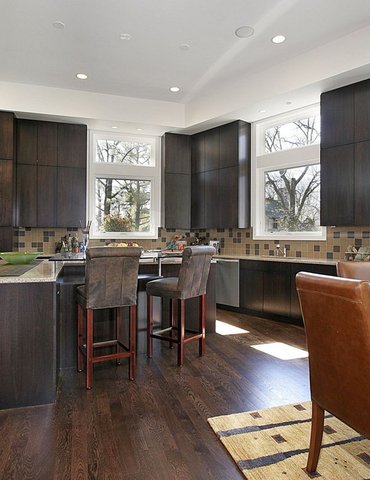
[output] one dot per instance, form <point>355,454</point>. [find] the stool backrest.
<point>359,270</point>
<point>194,270</point>
<point>336,315</point>
<point>111,276</point>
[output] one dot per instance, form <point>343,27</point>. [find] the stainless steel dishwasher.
<point>227,282</point>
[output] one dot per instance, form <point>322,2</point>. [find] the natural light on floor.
<point>226,329</point>
<point>281,350</point>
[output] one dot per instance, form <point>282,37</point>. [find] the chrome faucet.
<point>280,251</point>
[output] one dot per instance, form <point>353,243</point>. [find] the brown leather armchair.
<point>336,315</point>
<point>359,270</point>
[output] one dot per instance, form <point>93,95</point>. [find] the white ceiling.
<point>221,77</point>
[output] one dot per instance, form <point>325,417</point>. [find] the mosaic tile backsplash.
<point>232,241</point>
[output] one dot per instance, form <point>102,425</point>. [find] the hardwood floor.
<point>155,427</point>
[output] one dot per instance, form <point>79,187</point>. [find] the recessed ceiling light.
<point>139,129</point>
<point>59,25</point>
<point>244,32</point>
<point>125,36</point>
<point>81,76</point>
<point>278,39</point>
<point>184,46</point>
<point>114,126</point>
<point>262,111</point>
<point>175,89</point>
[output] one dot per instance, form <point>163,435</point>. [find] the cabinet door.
<point>47,146</point>
<point>276,289</point>
<point>6,192</point>
<point>177,200</point>
<point>197,201</point>
<point>26,215</point>
<point>362,111</point>
<point>228,197</point>
<point>229,142</point>
<point>251,285</point>
<point>197,153</point>
<point>362,190</point>
<point>211,149</point>
<point>71,197</point>
<point>176,153</point>
<point>72,141</point>
<point>211,199</point>
<point>6,135</point>
<point>46,196</point>
<point>337,117</point>
<point>337,185</point>
<point>27,142</point>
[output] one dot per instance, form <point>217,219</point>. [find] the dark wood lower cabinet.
<point>27,344</point>
<point>267,288</point>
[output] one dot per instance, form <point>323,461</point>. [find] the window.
<point>124,186</point>
<point>286,183</point>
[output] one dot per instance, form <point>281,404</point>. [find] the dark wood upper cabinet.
<point>176,153</point>
<point>362,190</point>
<point>337,185</point>
<point>197,200</point>
<point>47,145</point>
<point>362,111</point>
<point>337,117</point>
<point>212,149</point>
<point>46,196</point>
<point>72,145</point>
<point>6,135</point>
<point>26,206</point>
<point>71,197</point>
<point>178,201</point>
<point>228,193</point>
<point>197,152</point>
<point>36,142</point>
<point>229,144</point>
<point>211,199</point>
<point>6,192</point>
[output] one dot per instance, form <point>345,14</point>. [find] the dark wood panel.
<point>176,151</point>
<point>177,200</point>
<point>6,135</point>
<point>337,117</point>
<point>362,111</point>
<point>26,211</point>
<point>6,239</point>
<point>197,153</point>
<point>6,193</point>
<point>251,286</point>
<point>197,200</point>
<point>72,141</point>
<point>71,197</point>
<point>228,197</point>
<point>27,142</point>
<point>229,143</point>
<point>46,196</point>
<point>276,289</point>
<point>211,149</point>
<point>47,147</point>
<point>27,344</point>
<point>211,199</point>
<point>362,190</point>
<point>337,186</point>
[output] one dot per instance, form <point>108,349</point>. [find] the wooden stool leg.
<point>89,347</point>
<point>118,312</point>
<point>80,320</point>
<point>172,319</point>
<point>132,341</point>
<point>149,330</point>
<point>317,428</point>
<point>202,324</point>
<point>181,335</point>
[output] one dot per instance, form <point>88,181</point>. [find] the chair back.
<point>336,315</point>
<point>111,276</point>
<point>194,270</point>
<point>359,270</point>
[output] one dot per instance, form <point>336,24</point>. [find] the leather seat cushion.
<point>164,287</point>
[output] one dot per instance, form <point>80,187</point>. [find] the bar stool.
<point>110,282</point>
<point>190,283</point>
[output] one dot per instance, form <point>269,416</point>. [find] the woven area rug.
<point>273,444</point>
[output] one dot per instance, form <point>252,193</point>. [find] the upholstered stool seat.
<point>190,283</point>
<point>111,280</point>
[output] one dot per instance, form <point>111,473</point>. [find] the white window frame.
<point>290,158</point>
<point>117,170</point>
